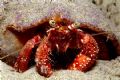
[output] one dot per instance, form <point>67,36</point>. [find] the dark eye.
<point>76,24</point>
<point>52,23</point>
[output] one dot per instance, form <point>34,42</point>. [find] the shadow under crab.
<point>107,44</point>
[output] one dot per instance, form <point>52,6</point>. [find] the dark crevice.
<point>114,4</point>
<point>10,60</point>
<point>93,1</point>
<point>63,59</point>
<point>112,50</point>
<point>32,56</point>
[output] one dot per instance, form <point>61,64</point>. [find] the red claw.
<point>87,57</point>
<point>23,59</point>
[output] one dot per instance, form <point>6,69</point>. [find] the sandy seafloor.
<point>104,70</point>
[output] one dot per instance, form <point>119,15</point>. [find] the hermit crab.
<point>60,37</point>
<point>61,43</point>
<point>61,40</point>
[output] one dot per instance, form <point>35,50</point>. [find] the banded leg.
<point>23,59</point>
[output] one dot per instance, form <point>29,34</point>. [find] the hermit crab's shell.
<point>29,14</point>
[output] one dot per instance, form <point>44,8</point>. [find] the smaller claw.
<point>23,59</point>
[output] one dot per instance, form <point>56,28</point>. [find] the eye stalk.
<point>76,24</point>
<point>52,23</point>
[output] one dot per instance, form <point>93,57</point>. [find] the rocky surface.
<point>111,9</point>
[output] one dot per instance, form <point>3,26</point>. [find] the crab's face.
<point>61,34</point>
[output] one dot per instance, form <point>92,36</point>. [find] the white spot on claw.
<point>36,60</point>
<point>44,69</point>
<point>80,65</point>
